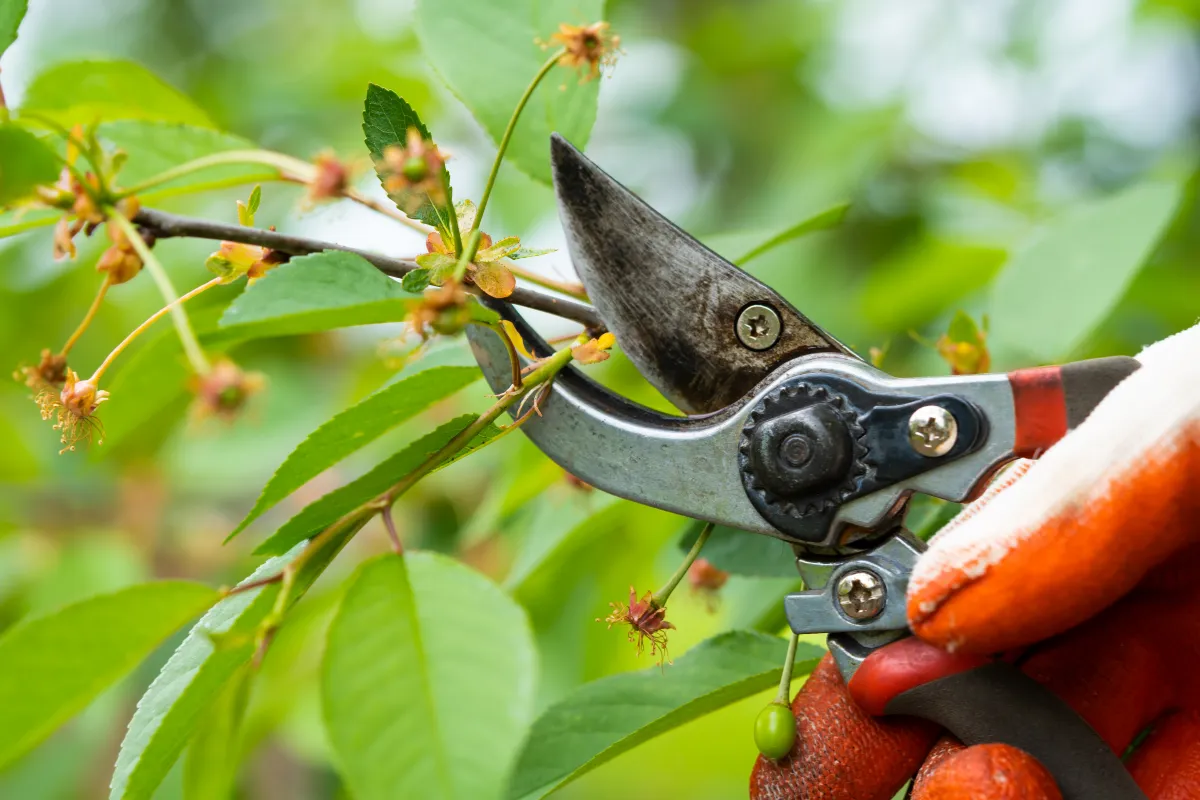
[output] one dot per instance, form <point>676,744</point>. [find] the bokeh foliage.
<point>981,176</point>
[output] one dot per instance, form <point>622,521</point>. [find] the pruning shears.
<point>790,434</point>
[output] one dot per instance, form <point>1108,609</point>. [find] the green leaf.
<point>25,162</point>
<point>561,527</point>
<point>318,292</point>
<point>255,199</point>
<point>821,221</point>
<point>742,553</point>
<point>386,120</point>
<point>355,427</point>
<point>530,252</point>
<point>86,92</point>
<point>924,280</point>
<point>54,665</point>
<point>11,14</point>
<point>428,681</point>
<point>487,54</point>
<point>438,266</point>
<point>605,718</point>
<point>190,681</point>
<point>211,765</point>
<point>505,247</point>
<point>416,281</point>
<point>1062,284</point>
<point>332,506</point>
<point>963,329</point>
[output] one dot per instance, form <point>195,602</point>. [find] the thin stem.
<point>389,211</point>
<point>455,233</point>
<point>251,585</point>
<point>513,358</point>
<point>165,226</point>
<point>508,132</point>
<point>548,369</point>
<point>187,337</point>
<point>290,169</point>
<point>288,165</point>
<point>157,315</point>
<point>220,183</point>
<point>566,287</point>
<point>390,524</point>
<point>785,680</point>
<point>661,596</point>
<point>89,316</point>
<point>467,255</point>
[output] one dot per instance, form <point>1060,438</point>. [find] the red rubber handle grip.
<point>983,701</point>
<point>1049,401</point>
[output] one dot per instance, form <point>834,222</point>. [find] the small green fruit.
<point>416,168</point>
<point>775,731</point>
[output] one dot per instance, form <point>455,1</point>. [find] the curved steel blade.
<point>672,303</point>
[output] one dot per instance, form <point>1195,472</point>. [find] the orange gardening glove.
<point>1083,569</point>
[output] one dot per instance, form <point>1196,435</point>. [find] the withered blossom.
<point>412,175</point>
<point>647,623</point>
<point>330,180</point>
<point>588,48</point>
<point>442,310</point>
<point>121,260</point>
<point>593,351</point>
<point>74,409</point>
<point>706,580</point>
<point>224,391</point>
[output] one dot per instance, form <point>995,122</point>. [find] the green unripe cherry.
<point>416,168</point>
<point>775,731</point>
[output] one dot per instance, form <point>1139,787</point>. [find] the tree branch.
<point>164,226</point>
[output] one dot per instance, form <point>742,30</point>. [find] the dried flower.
<point>74,410</point>
<point>121,261</point>
<point>412,175</point>
<point>329,181</point>
<point>593,351</point>
<point>45,381</point>
<point>646,620</point>
<point>50,371</point>
<point>964,346</point>
<point>225,390</point>
<point>588,48</point>
<point>444,310</point>
<point>706,580</point>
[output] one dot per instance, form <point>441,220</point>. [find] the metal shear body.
<point>791,435</point>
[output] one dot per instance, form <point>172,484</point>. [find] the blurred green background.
<point>954,129</point>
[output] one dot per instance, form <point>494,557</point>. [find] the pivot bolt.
<point>758,326</point>
<point>796,450</point>
<point>861,595</point>
<point>932,431</point>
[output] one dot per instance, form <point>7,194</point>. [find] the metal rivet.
<point>932,431</point>
<point>758,326</point>
<point>861,595</point>
<point>796,450</point>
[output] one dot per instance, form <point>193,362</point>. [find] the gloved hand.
<point>1084,569</point>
